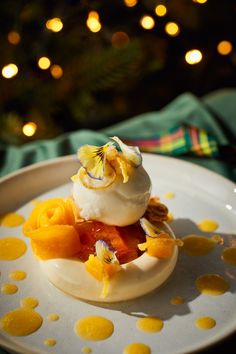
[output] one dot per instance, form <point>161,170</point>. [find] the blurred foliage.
<point>105,82</point>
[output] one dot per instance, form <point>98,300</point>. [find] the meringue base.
<point>135,278</point>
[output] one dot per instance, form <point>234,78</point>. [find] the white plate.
<point>199,194</point>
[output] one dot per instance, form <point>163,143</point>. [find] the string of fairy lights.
<point>118,40</point>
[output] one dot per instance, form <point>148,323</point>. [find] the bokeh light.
<point>224,47</point>
<point>93,22</point>
<point>54,24</point>
<point>29,129</point>
<point>161,10</point>
<point>193,56</point>
<point>9,71</point>
<point>172,29</point>
<point>130,3</point>
<point>147,22</point>
<point>56,71</point>
<point>119,40</point>
<point>44,63</point>
<point>13,37</point>
<point>200,1</point>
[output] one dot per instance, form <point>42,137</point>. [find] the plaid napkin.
<point>179,140</point>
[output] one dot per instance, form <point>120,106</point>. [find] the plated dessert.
<point>108,241</point>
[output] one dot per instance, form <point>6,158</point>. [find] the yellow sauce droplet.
<point>205,322</point>
<point>195,245</point>
<point>170,217</point>
<point>53,317</point>
<point>212,284</point>
<point>29,302</point>
<point>21,322</point>
<point>94,328</point>
<point>50,342</point>
<point>11,220</point>
<point>169,195</point>
<point>217,239</point>
<point>9,289</point>
<point>150,324</point>
<point>177,300</point>
<point>11,248</point>
<point>137,348</point>
<point>208,225</point>
<point>229,255</point>
<point>86,350</point>
<point>17,275</point>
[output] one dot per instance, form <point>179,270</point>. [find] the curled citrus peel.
<point>158,243</point>
<point>102,164</point>
<point>103,265</point>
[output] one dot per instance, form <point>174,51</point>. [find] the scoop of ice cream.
<point>111,186</point>
<point>119,204</point>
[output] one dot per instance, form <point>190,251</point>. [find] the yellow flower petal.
<point>93,158</point>
<point>132,153</point>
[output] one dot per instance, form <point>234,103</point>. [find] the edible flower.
<point>103,265</point>
<point>158,243</point>
<point>103,163</point>
<point>149,229</point>
<point>131,153</point>
<point>104,253</point>
<point>93,159</point>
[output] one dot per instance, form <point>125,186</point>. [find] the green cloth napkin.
<point>215,113</point>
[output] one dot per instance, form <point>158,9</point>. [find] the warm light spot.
<point>56,71</point>
<point>224,47</point>
<point>200,1</point>
<point>130,3</point>
<point>13,37</point>
<point>93,24</point>
<point>93,14</point>
<point>119,39</point>
<point>44,63</point>
<point>193,56</point>
<point>161,10</point>
<point>147,22</point>
<point>172,29</point>
<point>54,24</point>
<point>29,129</point>
<point>9,71</point>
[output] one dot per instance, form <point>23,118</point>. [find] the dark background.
<point>107,79</point>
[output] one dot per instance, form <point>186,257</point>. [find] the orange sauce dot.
<point>11,220</point>
<point>53,317</point>
<point>17,275</point>
<point>50,342</point>
<point>196,245</point>
<point>137,348</point>
<point>11,248</point>
<point>229,255</point>
<point>86,350</point>
<point>169,195</point>
<point>177,300</point>
<point>208,225</point>
<point>212,284</point>
<point>150,324</point>
<point>9,289</point>
<point>205,322</point>
<point>94,328</point>
<point>29,302</point>
<point>21,322</point>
